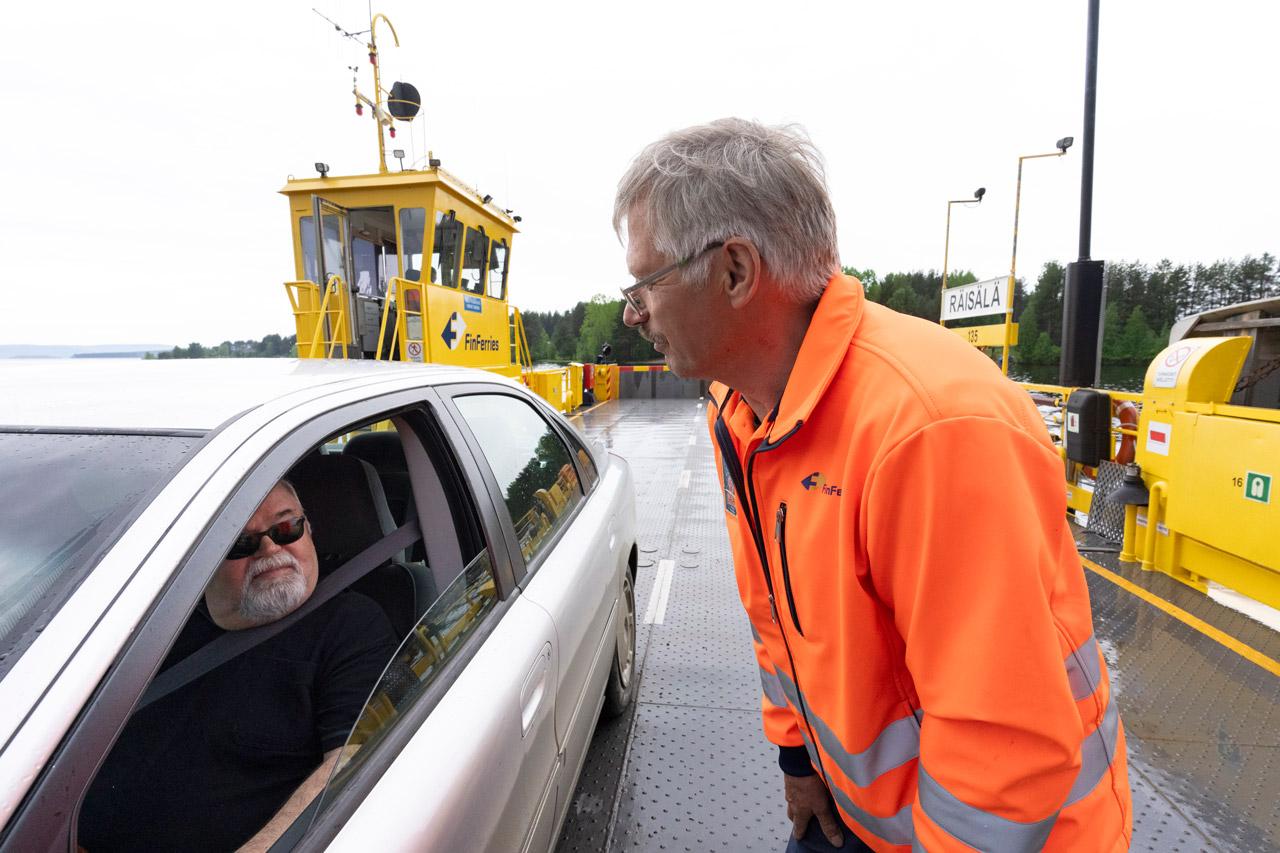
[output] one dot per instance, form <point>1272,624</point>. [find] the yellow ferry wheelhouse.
<point>414,267</point>
<point>409,265</point>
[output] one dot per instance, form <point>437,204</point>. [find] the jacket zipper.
<point>780,536</point>
<point>729,456</point>
<point>764,561</point>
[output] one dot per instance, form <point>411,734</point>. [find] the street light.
<point>1062,145</point>
<point>946,249</point>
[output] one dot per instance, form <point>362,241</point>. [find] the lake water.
<point>1115,377</point>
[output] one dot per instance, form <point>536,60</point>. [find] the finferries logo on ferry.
<point>819,482</point>
<point>454,330</point>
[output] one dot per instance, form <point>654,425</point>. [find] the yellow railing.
<point>406,344</point>
<point>1080,498</point>
<point>311,310</point>
<point>520,346</point>
<point>1061,393</point>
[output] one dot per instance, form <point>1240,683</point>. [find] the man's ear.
<point>743,271</point>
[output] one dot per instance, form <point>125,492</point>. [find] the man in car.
<point>895,507</point>
<point>230,759</point>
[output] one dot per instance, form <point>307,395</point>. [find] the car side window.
<point>530,462</point>
<point>587,465</point>
<point>457,613</point>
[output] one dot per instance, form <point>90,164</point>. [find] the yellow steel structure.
<point>1210,466</point>
<point>1212,470</point>
<point>419,244</point>
<point>993,335</point>
<point>415,266</point>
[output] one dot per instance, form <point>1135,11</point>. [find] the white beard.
<point>268,601</point>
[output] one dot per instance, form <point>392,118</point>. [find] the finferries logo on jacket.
<point>819,482</point>
<point>896,638</point>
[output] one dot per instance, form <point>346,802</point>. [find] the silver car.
<point>124,484</point>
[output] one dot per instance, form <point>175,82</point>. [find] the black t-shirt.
<point>207,766</point>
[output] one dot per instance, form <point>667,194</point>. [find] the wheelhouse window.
<point>333,256</point>
<point>413,224</point>
<point>498,252</point>
<point>473,260</point>
<point>446,250</point>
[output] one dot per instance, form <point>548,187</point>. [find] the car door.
<point>465,757</point>
<point>566,561</point>
<point>503,707</point>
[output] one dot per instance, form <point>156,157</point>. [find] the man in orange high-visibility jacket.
<point>896,512</point>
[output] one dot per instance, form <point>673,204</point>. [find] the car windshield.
<point>63,498</point>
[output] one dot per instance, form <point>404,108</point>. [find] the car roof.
<point>183,394</point>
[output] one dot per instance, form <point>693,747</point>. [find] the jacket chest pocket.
<point>780,537</point>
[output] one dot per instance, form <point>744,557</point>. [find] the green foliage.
<point>272,346</point>
<point>578,334</point>
<point>1142,303</point>
<point>598,326</point>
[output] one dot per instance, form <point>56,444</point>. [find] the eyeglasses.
<point>282,533</point>
<point>631,293</point>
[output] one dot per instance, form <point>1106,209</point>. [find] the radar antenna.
<point>403,101</point>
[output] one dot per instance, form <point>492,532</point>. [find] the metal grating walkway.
<point>688,769</point>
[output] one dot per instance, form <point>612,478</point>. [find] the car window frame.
<point>448,394</point>
<point>48,815</point>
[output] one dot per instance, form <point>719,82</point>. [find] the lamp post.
<point>1062,144</point>
<point>946,248</point>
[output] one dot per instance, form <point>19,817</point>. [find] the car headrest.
<point>343,499</point>
<point>382,450</point>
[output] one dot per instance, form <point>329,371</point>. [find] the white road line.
<point>684,478</point>
<point>693,439</point>
<point>661,592</point>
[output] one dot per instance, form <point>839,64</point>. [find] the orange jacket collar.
<point>821,353</point>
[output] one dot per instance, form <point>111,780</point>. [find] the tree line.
<point>271,346</point>
<point>1142,302</point>
<point>579,333</point>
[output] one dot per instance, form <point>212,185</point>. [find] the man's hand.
<point>807,798</point>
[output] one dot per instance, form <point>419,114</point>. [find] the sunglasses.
<point>282,533</point>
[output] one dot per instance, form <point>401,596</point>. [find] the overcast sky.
<point>144,143</point>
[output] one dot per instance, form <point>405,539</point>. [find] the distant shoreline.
<point>81,351</point>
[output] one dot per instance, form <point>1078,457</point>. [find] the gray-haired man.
<point>929,676</point>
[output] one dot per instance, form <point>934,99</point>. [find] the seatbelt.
<point>233,643</point>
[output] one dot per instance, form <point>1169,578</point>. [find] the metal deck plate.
<point>689,769</point>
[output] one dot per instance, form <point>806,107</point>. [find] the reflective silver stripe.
<point>897,743</point>
<point>1083,669</point>
<point>986,831</point>
<point>772,688</point>
<point>1096,753</point>
<point>755,635</point>
<point>789,688</point>
<point>975,827</point>
<point>895,829</point>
